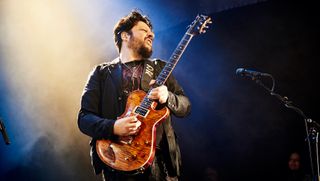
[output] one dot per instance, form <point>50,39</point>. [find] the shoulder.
<point>106,66</point>
<point>103,68</point>
<point>111,64</point>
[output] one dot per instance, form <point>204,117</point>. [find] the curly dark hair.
<point>126,23</point>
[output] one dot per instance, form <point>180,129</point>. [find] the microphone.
<point>4,133</point>
<point>250,73</point>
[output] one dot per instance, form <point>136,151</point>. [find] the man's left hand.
<point>159,93</point>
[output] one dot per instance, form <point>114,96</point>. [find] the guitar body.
<point>133,153</point>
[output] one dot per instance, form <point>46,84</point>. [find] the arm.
<point>177,101</point>
<point>89,121</point>
<point>171,94</point>
<point>173,97</point>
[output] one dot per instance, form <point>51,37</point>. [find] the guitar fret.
<point>187,36</point>
<point>174,60</point>
<point>181,47</point>
<point>161,76</point>
<point>164,75</point>
<point>175,56</point>
<point>167,69</point>
<point>159,82</point>
<point>177,52</point>
<point>165,72</point>
<point>145,105</point>
<point>184,42</point>
<point>149,101</point>
<point>146,101</point>
<point>169,64</point>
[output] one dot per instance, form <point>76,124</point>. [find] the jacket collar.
<point>147,75</point>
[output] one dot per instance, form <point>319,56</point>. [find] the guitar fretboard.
<point>165,73</point>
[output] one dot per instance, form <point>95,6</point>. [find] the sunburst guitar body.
<point>136,152</point>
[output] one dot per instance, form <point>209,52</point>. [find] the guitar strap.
<point>148,74</point>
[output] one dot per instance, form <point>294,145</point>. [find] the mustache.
<point>149,38</point>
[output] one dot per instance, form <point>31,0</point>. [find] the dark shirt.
<point>131,76</point>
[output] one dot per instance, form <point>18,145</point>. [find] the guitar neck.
<point>166,71</point>
<point>175,57</point>
<point>198,26</point>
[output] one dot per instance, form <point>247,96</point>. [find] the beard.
<point>140,48</point>
<point>144,51</point>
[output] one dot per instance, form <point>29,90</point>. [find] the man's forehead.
<point>141,24</point>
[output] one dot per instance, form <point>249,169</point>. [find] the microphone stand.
<point>4,133</point>
<point>314,126</point>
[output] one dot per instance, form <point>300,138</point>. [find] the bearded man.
<point>105,95</point>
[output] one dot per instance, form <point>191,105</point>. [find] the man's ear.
<point>125,36</point>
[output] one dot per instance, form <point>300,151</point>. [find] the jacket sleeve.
<point>177,102</point>
<point>89,120</point>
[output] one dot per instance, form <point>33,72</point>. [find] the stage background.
<point>236,130</point>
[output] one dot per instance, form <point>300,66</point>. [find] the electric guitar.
<point>135,153</point>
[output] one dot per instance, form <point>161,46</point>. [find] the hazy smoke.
<point>47,53</point>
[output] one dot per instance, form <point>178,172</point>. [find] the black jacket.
<point>103,101</point>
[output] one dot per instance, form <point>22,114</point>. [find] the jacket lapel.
<point>116,75</point>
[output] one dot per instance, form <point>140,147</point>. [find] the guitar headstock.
<point>199,25</point>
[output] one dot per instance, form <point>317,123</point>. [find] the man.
<point>105,95</point>
<point>295,170</point>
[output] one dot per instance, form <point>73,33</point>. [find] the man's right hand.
<point>126,126</point>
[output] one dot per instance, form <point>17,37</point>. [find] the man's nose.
<point>151,35</point>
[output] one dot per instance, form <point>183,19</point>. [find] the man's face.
<point>141,39</point>
<point>294,162</point>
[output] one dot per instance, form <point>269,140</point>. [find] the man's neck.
<point>129,56</point>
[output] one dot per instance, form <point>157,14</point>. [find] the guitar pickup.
<point>141,111</point>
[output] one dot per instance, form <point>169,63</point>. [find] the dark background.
<point>236,129</point>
